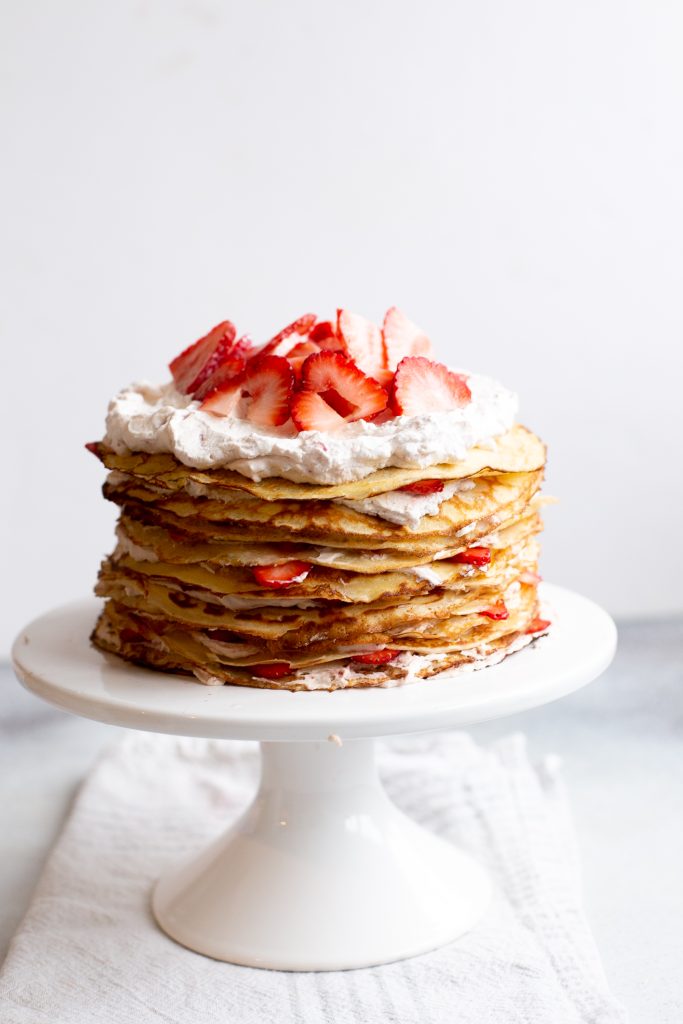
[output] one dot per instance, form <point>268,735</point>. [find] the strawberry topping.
<point>474,556</point>
<point>529,577</point>
<point>422,386</point>
<point>232,358</point>
<point>324,334</point>
<point>289,336</point>
<point>402,338</point>
<point>496,611</point>
<point>300,353</point>
<point>362,341</point>
<point>191,368</point>
<point>311,412</point>
<point>537,625</point>
<point>281,575</point>
<point>335,391</point>
<point>267,384</point>
<point>423,487</point>
<point>376,657</point>
<point>343,371</point>
<point>275,670</point>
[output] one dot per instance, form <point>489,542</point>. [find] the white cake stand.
<point>322,872</point>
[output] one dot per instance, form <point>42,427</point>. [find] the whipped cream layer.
<point>151,419</point>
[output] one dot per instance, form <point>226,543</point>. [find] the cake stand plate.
<point>322,872</point>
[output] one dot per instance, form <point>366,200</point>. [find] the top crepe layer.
<point>517,451</point>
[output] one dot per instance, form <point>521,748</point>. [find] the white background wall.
<point>509,173</point>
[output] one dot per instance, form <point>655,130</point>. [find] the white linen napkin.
<point>88,949</point>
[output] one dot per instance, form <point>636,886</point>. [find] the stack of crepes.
<point>394,577</point>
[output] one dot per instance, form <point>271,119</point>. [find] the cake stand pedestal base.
<point>322,872</point>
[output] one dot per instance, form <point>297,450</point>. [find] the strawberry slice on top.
<point>191,368</point>
<point>422,386</point>
<point>221,368</point>
<point>335,391</point>
<point>300,353</point>
<point>362,341</point>
<point>265,387</point>
<point>402,338</point>
<point>289,336</point>
<point>325,336</point>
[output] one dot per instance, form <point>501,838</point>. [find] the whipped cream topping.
<point>153,419</point>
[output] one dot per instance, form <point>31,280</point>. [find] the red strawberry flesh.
<point>423,386</point>
<point>376,657</point>
<point>311,412</point>
<point>335,391</point>
<point>325,336</point>
<point>538,625</point>
<point>189,369</point>
<point>227,362</point>
<point>289,336</point>
<point>362,341</point>
<point>283,574</point>
<point>274,670</point>
<point>497,610</point>
<point>300,353</point>
<point>423,487</point>
<point>402,338</point>
<point>267,382</point>
<point>474,556</point>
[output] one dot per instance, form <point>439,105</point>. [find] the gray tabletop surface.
<point>621,742</point>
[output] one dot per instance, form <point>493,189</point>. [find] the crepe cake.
<point>334,508</point>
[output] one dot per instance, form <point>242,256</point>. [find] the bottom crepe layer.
<point>156,643</point>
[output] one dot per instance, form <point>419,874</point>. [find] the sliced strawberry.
<point>376,657</point>
<point>421,385</point>
<point>284,574</point>
<point>529,577</point>
<point>537,625</point>
<point>289,336</point>
<point>423,487</point>
<point>402,338</point>
<point>267,381</point>
<point>324,334</point>
<point>227,363</point>
<point>274,670</point>
<point>333,392</point>
<point>225,397</point>
<point>188,369</point>
<point>311,412</point>
<point>93,446</point>
<point>474,556</point>
<point>362,341</point>
<point>300,353</point>
<point>496,611</point>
